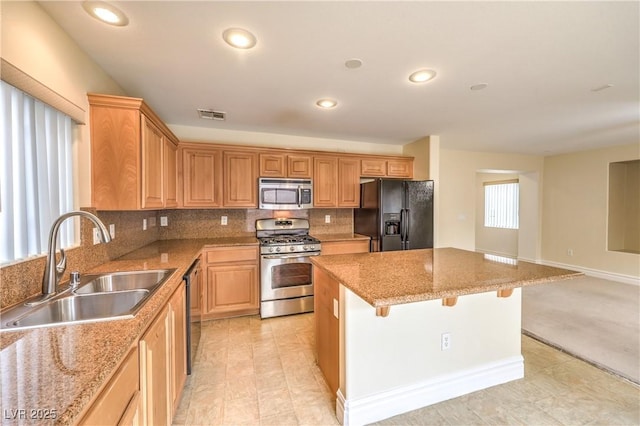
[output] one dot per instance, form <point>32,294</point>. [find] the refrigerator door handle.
<point>406,229</point>
<point>403,220</point>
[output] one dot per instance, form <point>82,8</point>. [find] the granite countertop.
<point>63,368</point>
<point>325,238</point>
<point>396,277</point>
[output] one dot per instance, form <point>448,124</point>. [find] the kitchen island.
<point>396,331</point>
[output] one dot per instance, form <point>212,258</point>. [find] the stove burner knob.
<point>292,248</point>
<point>277,248</point>
<point>271,249</point>
<point>305,247</point>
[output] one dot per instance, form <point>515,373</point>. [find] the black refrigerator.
<point>396,214</point>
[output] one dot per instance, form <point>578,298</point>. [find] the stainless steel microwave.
<point>285,194</point>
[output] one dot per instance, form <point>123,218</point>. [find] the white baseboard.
<point>622,278</point>
<point>396,401</point>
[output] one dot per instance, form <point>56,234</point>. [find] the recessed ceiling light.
<point>353,63</point>
<point>326,103</point>
<point>479,86</point>
<point>106,13</point>
<point>421,76</point>
<point>239,38</point>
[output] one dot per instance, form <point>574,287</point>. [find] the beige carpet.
<point>593,319</point>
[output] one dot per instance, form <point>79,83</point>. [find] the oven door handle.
<point>288,256</point>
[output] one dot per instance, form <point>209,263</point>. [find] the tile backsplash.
<point>21,280</point>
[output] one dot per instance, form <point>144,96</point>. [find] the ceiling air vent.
<point>212,115</point>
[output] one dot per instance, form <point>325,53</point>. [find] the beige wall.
<point>575,210</point>
<point>35,44</point>
<point>457,207</point>
<point>503,242</point>
<point>205,134</point>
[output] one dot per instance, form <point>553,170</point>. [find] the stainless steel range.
<point>286,274</point>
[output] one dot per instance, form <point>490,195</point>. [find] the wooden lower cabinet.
<point>163,362</point>
<point>119,402</point>
<point>346,246</point>
<point>155,372</point>
<point>178,345</point>
<point>231,286</point>
<point>326,307</point>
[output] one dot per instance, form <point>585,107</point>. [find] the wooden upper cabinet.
<point>387,167</point>
<point>171,174</point>
<point>374,167</point>
<point>273,165</point>
<point>325,176</point>
<point>285,165</point>
<point>129,144</point>
<point>348,182</point>
<point>400,168</point>
<point>152,165</point>
<point>299,166</point>
<point>240,179</point>
<point>202,177</point>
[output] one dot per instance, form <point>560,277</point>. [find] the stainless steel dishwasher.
<point>191,278</point>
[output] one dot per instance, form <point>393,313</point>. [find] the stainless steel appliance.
<point>285,194</point>
<point>193,331</point>
<point>286,274</point>
<point>396,214</point>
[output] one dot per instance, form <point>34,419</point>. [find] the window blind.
<point>501,200</point>
<point>36,181</point>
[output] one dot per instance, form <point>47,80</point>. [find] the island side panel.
<point>395,364</point>
<point>326,315</point>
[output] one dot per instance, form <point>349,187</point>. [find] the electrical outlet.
<point>327,218</point>
<point>223,220</point>
<point>164,221</point>
<point>144,224</point>
<point>569,252</point>
<point>112,230</point>
<point>96,236</point>
<point>445,341</point>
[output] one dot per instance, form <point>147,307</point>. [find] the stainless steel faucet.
<point>53,272</point>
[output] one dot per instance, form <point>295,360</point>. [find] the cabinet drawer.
<point>226,254</point>
<point>114,401</point>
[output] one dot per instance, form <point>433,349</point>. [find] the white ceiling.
<point>540,60</point>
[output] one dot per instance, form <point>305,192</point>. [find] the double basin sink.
<point>98,297</point>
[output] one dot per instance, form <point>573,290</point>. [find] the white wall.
<point>575,211</point>
<point>457,207</point>
<point>37,45</point>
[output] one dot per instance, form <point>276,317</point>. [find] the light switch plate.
<point>164,221</point>
<point>144,224</point>
<point>327,218</point>
<point>112,230</point>
<point>223,220</point>
<point>336,309</point>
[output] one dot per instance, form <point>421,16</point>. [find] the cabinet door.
<point>115,158</point>
<point>299,166</point>
<point>155,372</point>
<point>343,247</point>
<point>240,179</point>
<point>202,175</point>
<point>325,175</point>
<point>348,183</point>
<point>152,165</point>
<point>119,398</point>
<point>232,289</point>
<point>170,174</point>
<point>400,168</point>
<point>178,346</point>
<point>273,165</point>
<point>374,167</point>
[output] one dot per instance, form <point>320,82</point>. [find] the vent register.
<point>210,114</point>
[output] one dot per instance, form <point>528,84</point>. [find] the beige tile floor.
<point>262,372</point>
